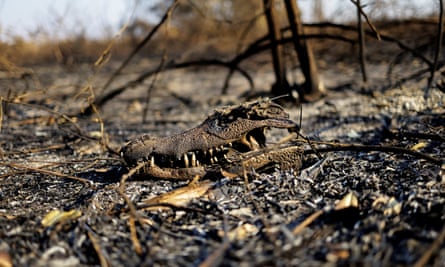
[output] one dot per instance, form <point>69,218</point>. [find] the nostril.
<point>295,129</point>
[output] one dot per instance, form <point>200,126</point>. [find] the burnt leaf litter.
<point>61,204</point>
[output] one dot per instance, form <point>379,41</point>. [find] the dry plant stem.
<point>306,222</point>
<point>102,259</point>
<point>59,114</point>
<point>439,39</point>
<point>106,54</point>
<point>174,207</point>
<point>36,150</point>
<point>103,135</point>
<point>48,172</point>
<point>51,164</point>
<point>432,249</point>
<point>121,189</point>
<point>134,236</point>
<point>133,211</point>
<point>216,258</point>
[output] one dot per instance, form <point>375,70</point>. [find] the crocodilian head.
<point>234,129</point>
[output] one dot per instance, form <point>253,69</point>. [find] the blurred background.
<point>33,32</point>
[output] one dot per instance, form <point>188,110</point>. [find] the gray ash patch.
<point>401,203</point>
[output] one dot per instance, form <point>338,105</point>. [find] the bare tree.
<point>313,87</point>
<point>281,85</point>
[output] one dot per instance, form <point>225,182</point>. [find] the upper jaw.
<point>253,140</point>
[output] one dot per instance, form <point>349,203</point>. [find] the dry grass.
<point>215,39</point>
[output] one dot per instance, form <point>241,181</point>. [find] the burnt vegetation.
<point>368,90</point>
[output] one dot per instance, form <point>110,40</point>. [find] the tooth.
<point>244,141</point>
<point>193,160</point>
<point>230,144</point>
<point>197,163</point>
<point>211,152</point>
<point>152,161</point>
<point>254,143</point>
<point>222,147</point>
<point>215,159</point>
<point>217,149</point>
<point>186,160</point>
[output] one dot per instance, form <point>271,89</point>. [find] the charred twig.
<point>164,205</point>
<point>142,43</point>
<point>348,201</point>
<point>361,12</point>
<point>216,258</point>
<point>383,37</point>
<point>256,47</point>
<point>417,75</point>
<point>170,66</point>
<point>416,135</point>
<point>423,261</point>
<point>147,38</point>
<point>48,172</point>
<point>104,262</point>
<point>367,148</point>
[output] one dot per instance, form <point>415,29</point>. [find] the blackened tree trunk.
<point>313,87</point>
<point>281,86</point>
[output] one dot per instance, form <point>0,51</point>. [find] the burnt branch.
<point>141,44</point>
<point>367,148</point>
<point>256,47</point>
<point>171,66</point>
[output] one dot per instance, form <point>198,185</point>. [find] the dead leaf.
<point>348,201</point>
<point>5,259</point>
<point>180,197</point>
<point>59,216</point>
<point>419,146</point>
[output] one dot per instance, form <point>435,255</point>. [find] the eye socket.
<point>273,110</point>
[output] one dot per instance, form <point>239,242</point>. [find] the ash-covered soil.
<point>45,147</point>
